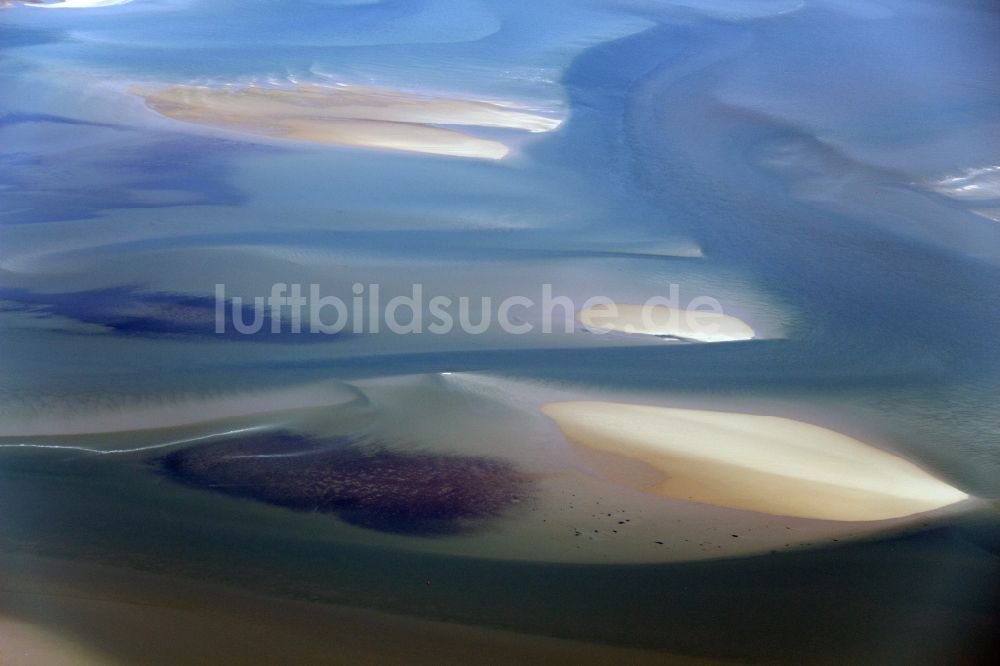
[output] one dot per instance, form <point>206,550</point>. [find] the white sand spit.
<point>658,320</point>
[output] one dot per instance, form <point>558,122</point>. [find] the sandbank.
<point>348,115</point>
<point>765,464</point>
<point>668,322</point>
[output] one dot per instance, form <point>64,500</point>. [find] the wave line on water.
<point>103,452</point>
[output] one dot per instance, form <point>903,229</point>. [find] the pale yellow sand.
<point>393,136</point>
<point>694,325</point>
<point>348,115</point>
<point>758,463</point>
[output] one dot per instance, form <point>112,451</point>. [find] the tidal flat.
<point>809,476</point>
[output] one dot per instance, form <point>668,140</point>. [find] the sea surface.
<point>827,171</point>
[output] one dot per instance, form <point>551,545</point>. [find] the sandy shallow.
<point>610,491</point>
<point>104,414</point>
<point>972,184</point>
<point>667,322</point>
<point>24,644</point>
<point>988,213</point>
<point>349,115</point>
<point>758,463</point>
<point>128,617</point>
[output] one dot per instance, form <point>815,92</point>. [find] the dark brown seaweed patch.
<point>366,484</point>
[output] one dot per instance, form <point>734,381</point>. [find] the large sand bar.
<point>757,463</point>
<point>348,115</point>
